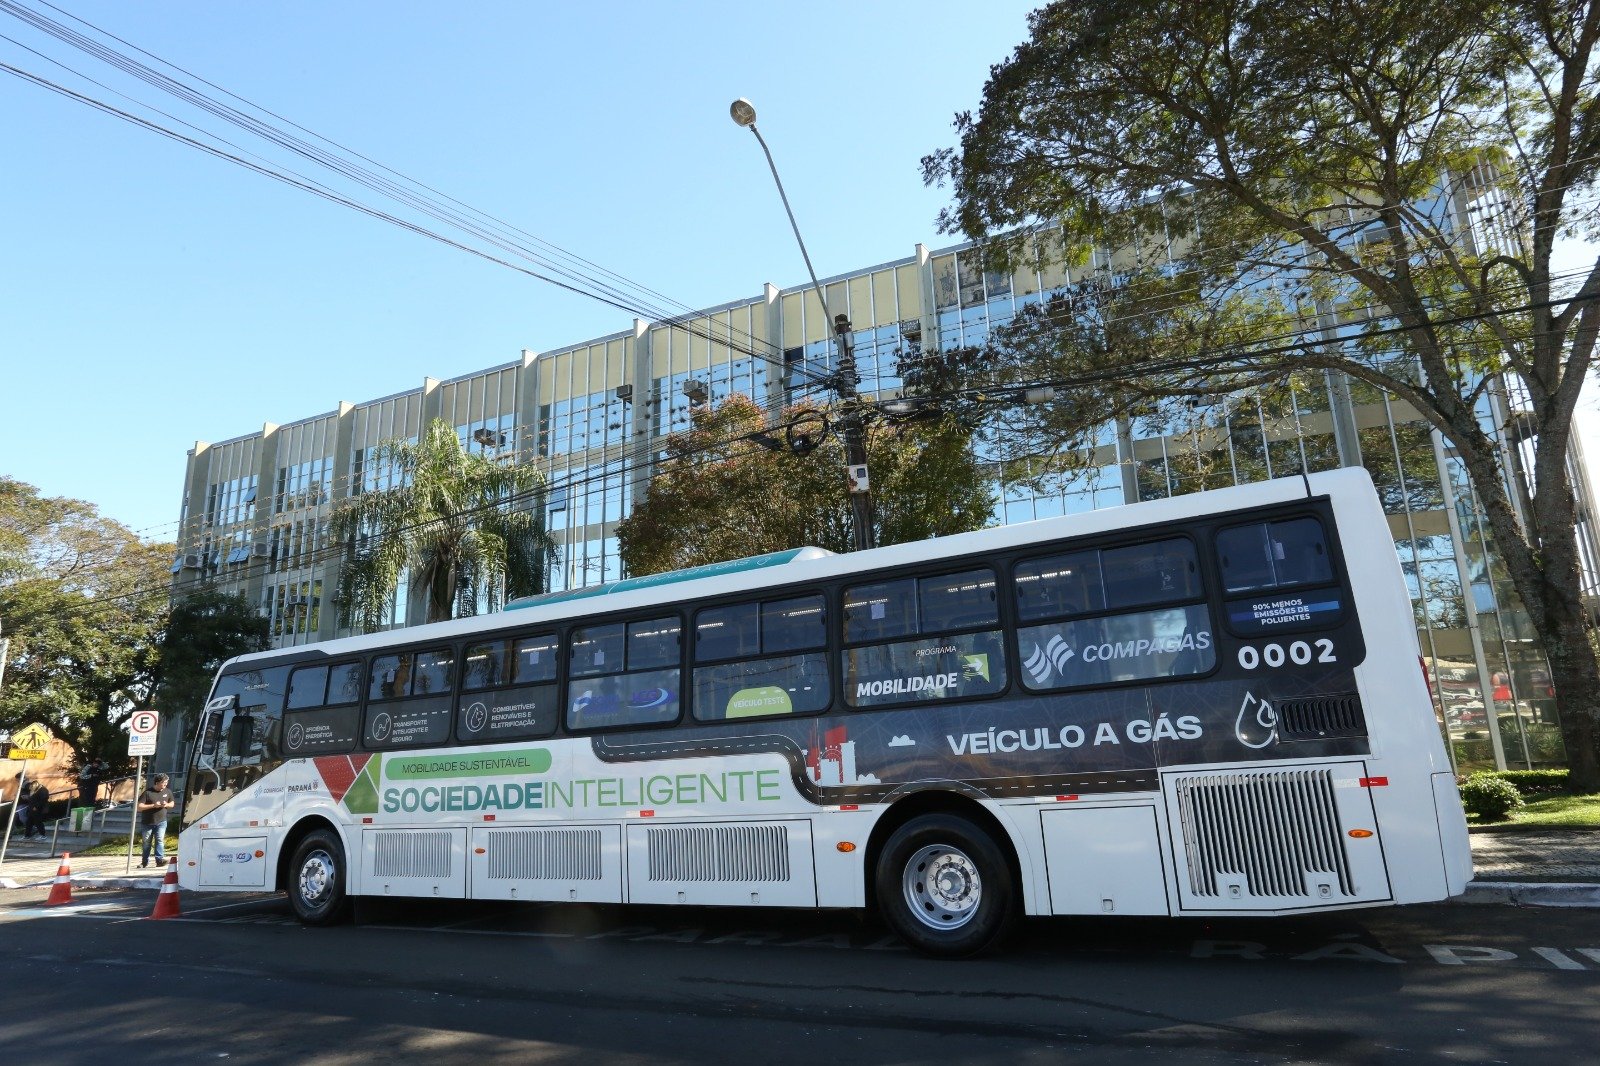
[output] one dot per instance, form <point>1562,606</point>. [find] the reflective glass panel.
<point>535,659</point>
<point>308,686</point>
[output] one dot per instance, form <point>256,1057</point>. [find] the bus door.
<point>230,793</point>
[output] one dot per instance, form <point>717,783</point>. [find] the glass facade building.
<point>593,415</point>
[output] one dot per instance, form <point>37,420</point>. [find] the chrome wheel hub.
<point>942,886</point>
<point>316,877</point>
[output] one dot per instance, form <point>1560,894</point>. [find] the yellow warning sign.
<point>29,742</point>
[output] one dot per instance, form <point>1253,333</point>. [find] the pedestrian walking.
<point>19,808</point>
<point>38,804</point>
<point>89,782</point>
<point>154,803</point>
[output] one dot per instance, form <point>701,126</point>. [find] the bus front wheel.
<point>945,887</point>
<point>316,880</point>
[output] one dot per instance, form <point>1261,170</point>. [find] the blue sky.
<point>151,296</point>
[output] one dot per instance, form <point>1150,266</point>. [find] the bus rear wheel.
<point>316,880</point>
<point>945,887</point>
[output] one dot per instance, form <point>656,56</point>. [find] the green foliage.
<point>1489,798</point>
<point>718,495</point>
<point>1531,783</point>
<point>1293,180</point>
<point>465,525</point>
<point>84,603</point>
<point>203,631</point>
<point>1565,811</point>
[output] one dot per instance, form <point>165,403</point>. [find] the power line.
<point>494,233</point>
<point>1098,377</point>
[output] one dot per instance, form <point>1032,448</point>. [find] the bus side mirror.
<point>211,725</point>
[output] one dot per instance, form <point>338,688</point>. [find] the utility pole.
<point>844,378</point>
<point>855,441</point>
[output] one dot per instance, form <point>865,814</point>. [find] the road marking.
<point>1559,959</point>
<point>70,910</point>
<point>1461,954</point>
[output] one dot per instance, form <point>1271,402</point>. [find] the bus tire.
<point>944,886</point>
<point>317,878</point>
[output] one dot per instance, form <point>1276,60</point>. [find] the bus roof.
<point>731,566</point>
<point>816,564</point>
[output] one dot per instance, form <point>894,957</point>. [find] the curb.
<point>122,881</point>
<point>1530,894</point>
<point>89,881</point>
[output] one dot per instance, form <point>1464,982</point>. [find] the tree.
<point>1258,140</point>
<point>719,494</point>
<point>203,631</point>
<point>84,602</point>
<point>466,526</point>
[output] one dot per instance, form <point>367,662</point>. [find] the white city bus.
<point>1206,705</point>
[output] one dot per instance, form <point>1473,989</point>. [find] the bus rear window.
<point>1270,555</point>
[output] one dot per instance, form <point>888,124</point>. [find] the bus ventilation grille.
<point>1276,832</point>
<point>411,855</point>
<point>740,853</point>
<point>1321,717</point>
<point>544,854</point>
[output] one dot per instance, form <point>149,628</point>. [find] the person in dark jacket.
<point>89,782</point>
<point>38,803</point>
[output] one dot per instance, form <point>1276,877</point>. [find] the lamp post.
<point>844,378</point>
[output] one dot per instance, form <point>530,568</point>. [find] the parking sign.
<point>142,728</point>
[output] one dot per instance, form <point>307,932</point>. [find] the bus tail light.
<point>1373,782</point>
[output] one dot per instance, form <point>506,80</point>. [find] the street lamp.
<point>843,379</point>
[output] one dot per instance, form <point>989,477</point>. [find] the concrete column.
<point>636,414</point>
<point>1464,572</point>
<point>930,312</point>
<point>344,435</point>
<point>1342,408</point>
<point>527,410</point>
<point>432,403</point>
<point>776,393</point>
<point>195,476</point>
<point>1126,462</point>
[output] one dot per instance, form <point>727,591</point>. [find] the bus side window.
<point>1143,574</point>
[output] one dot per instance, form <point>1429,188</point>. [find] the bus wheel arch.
<point>313,871</point>
<point>958,832</point>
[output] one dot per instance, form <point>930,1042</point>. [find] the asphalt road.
<point>239,981</point>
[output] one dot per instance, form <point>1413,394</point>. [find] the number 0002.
<point>1300,653</point>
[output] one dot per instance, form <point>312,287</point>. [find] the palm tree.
<point>462,524</point>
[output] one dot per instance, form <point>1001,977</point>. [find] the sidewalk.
<point>1535,867</point>
<point>29,862</point>
<point>1532,867</point>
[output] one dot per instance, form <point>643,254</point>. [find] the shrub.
<point>1538,783</point>
<point>1490,798</point>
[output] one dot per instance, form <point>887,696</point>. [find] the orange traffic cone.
<point>167,901</point>
<point>61,891</point>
